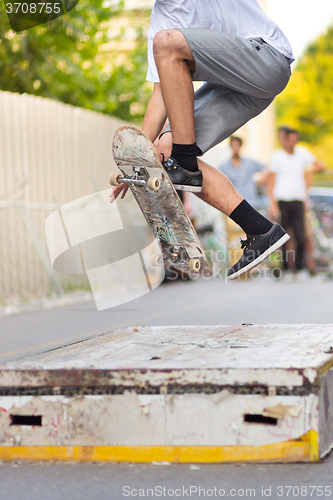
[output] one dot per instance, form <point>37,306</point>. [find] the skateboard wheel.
<point>194,265</point>
<point>114,179</point>
<point>154,183</point>
<point>156,260</point>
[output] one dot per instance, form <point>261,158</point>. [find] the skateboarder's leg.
<point>214,184</point>
<point>217,190</point>
<point>245,77</point>
<point>175,63</point>
<point>263,237</point>
<point>250,68</point>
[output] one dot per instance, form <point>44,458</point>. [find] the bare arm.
<point>261,178</point>
<point>317,166</point>
<point>155,114</point>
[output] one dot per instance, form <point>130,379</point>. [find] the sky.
<point>301,20</point>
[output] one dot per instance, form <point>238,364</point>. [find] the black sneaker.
<point>258,248</point>
<point>183,180</point>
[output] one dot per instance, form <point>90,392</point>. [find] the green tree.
<point>307,102</point>
<point>63,60</point>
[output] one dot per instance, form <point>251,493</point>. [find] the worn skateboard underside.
<point>162,209</point>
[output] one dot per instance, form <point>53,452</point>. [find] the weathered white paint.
<point>274,355</point>
<point>137,420</point>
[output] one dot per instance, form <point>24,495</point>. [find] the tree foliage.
<point>63,60</point>
<point>307,102</point>
<point>128,92</point>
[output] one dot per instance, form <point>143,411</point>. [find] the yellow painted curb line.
<point>305,449</point>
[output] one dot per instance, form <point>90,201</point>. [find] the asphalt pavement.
<point>202,302</point>
<point>58,481</point>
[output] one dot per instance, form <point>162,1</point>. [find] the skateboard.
<point>141,169</point>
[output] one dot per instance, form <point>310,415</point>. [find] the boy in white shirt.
<point>287,188</point>
<point>244,58</point>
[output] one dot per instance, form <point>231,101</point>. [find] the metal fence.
<point>50,154</point>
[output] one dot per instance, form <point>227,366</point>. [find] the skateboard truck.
<point>136,179</point>
<point>176,254</point>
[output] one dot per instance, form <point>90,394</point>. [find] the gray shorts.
<point>242,78</point>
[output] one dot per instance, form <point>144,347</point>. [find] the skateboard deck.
<point>140,167</point>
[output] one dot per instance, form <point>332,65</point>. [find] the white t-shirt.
<point>290,173</point>
<point>243,18</point>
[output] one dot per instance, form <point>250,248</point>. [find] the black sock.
<point>186,156</point>
<point>251,221</point>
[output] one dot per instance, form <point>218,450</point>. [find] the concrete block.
<point>181,394</point>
